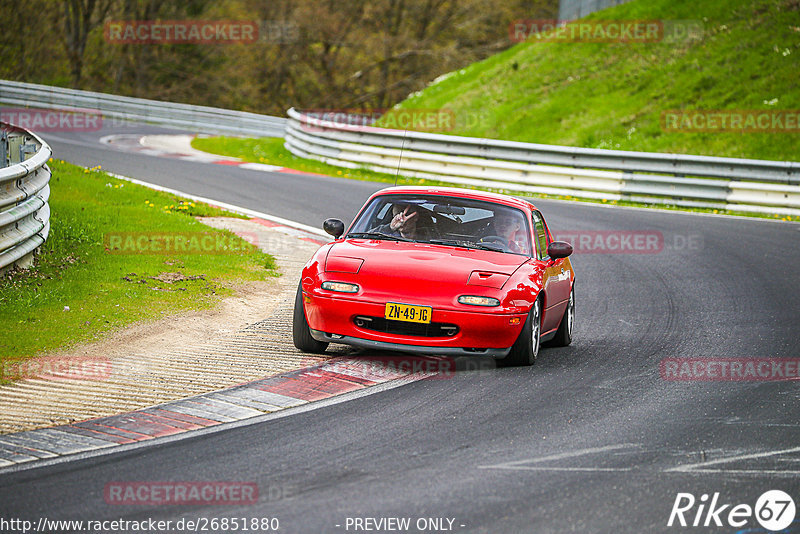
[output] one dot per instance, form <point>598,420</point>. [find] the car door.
<point>556,277</point>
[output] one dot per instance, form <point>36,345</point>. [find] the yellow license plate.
<point>405,312</point>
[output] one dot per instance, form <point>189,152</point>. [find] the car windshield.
<point>448,221</point>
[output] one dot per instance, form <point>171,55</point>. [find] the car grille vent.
<point>403,328</point>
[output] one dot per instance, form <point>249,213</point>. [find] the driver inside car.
<point>506,227</point>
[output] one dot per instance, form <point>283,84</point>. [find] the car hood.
<point>394,269</point>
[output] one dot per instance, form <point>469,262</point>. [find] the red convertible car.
<point>439,271</point>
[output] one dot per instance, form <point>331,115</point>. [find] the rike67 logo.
<point>774,511</point>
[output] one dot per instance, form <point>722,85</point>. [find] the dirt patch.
<point>245,337</point>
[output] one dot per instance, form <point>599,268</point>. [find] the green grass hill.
<point>613,94</point>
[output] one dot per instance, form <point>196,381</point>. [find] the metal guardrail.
<point>575,9</point>
<point>684,180</point>
<point>122,108</point>
<point>24,192</point>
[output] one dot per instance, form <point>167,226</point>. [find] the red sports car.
<point>439,271</point>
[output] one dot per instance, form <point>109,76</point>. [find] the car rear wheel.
<point>301,332</point>
<point>564,333</point>
<point>526,348</point>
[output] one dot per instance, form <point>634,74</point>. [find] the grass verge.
<point>271,151</point>
<point>82,286</point>
<point>614,95</point>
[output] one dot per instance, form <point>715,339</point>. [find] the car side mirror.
<point>334,227</point>
<point>559,249</point>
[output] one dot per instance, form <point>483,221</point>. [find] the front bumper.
<point>415,349</point>
<point>480,331</point>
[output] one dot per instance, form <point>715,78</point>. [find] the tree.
<point>80,17</point>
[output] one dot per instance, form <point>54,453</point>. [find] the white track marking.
<point>229,207</point>
<point>757,472</point>
<point>698,467</point>
<point>518,464</point>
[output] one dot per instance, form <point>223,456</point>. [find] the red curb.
<point>141,424</point>
<point>360,380</point>
<point>323,380</point>
<point>287,170</point>
<point>96,425</point>
<point>96,434</point>
<point>296,389</point>
<point>167,414</point>
<point>264,222</point>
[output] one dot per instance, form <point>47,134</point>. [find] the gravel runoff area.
<point>245,337</point>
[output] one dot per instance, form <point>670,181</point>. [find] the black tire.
<point>301,332</point>
<point>526,347</point>
<point>564,333</point>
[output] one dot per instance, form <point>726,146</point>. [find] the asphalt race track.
<point>590,439</point>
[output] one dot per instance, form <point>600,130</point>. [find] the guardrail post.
<point>14,144</point>
<point>3,149</point>
<point>25,150</point>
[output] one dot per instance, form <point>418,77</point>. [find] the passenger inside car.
<point>408,221</point>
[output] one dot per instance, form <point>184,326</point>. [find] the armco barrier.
<point>684,180</point>
<point>122,108</point>
<point>24,191</point>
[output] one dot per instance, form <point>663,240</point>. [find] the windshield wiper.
<point>379,235</point>
<point>494,247</point>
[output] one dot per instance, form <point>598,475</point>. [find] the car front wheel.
<point>301,332</point>
<point>526,348</point>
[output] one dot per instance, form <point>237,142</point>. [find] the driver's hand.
<point>399,221</point>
